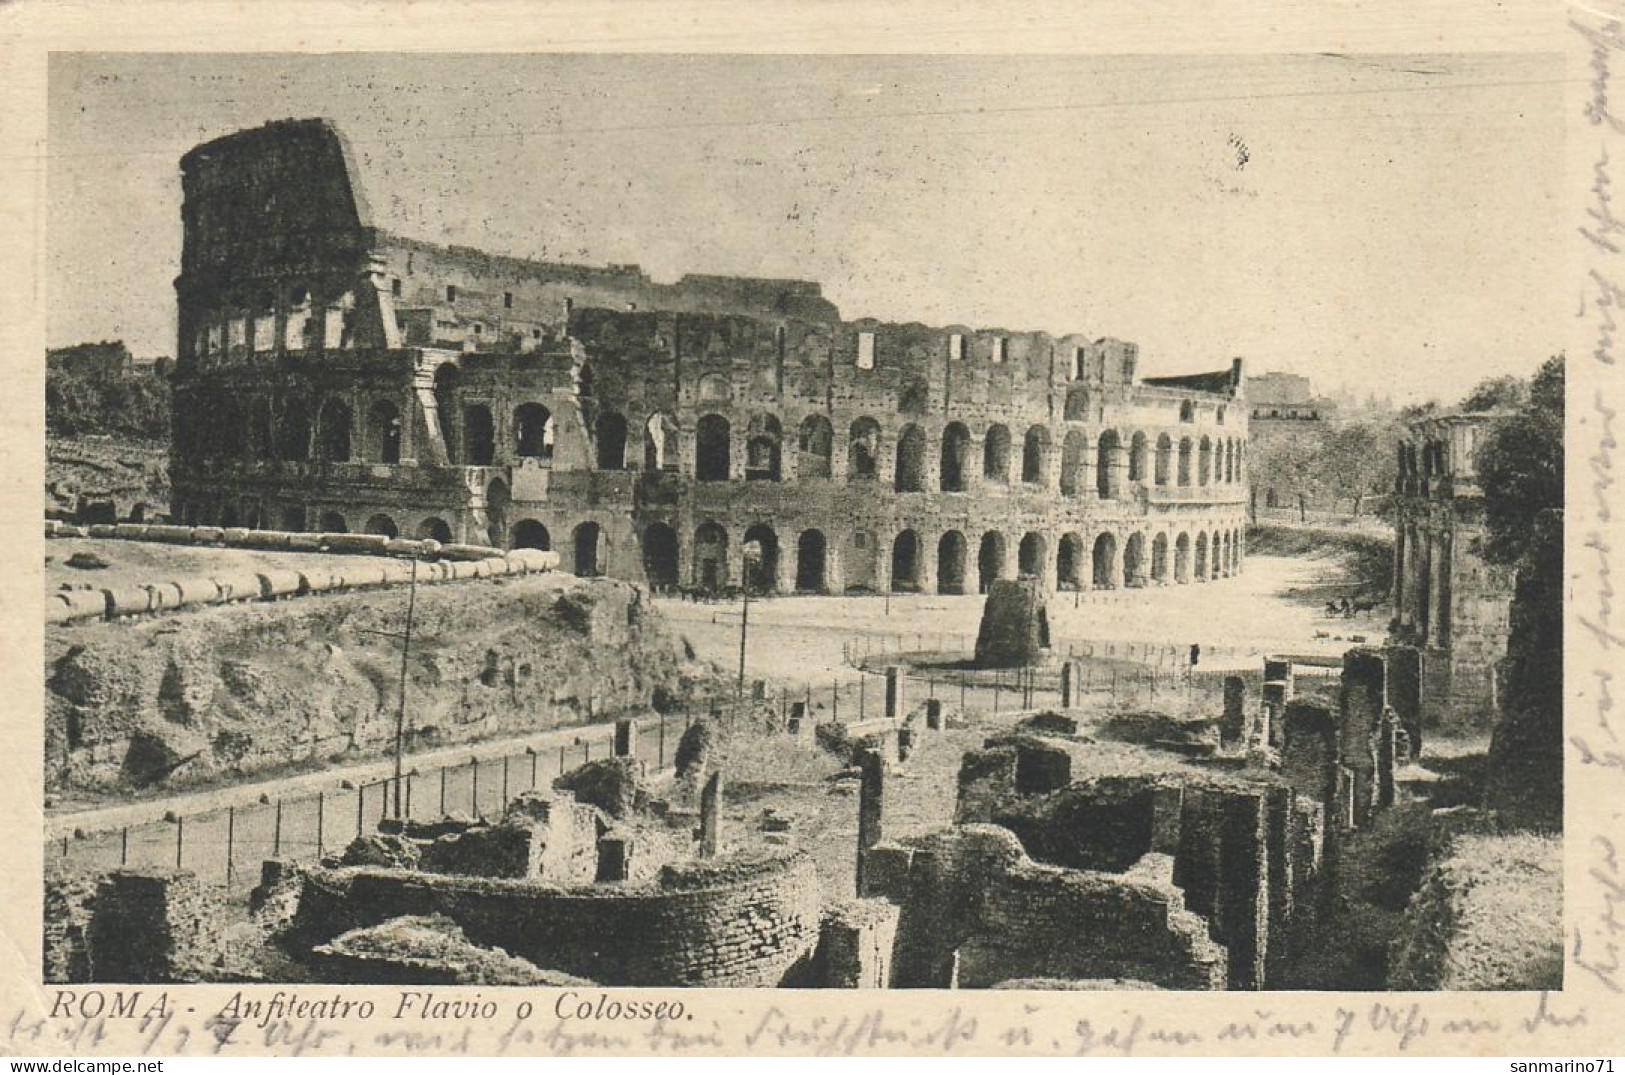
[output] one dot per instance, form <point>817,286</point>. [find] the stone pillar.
<point>871,806</point>
<point>1405,692</point>
<point>1071,684</point>
<point>1272,710</point>
<point>1167,805</point>
<point>1364,696</point>
<point>933,714</point>
<point>1387,734</point>
<point>614,858</point>
<point>784,571</point>
<point>626,738</point>
<point>1234,725</point>
<point>1279,670</point>
<point>711,817</point>
<point>896,692</point>
<point>834,573</point>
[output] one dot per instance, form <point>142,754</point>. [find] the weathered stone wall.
<point>733,921</point>
<point>154,926</point>
<point>256,685</point>
<point>856,945</point>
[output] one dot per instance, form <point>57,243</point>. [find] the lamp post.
<point>750,555</point>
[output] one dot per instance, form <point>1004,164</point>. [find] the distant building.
<point>108,359</point>
<point>1448,601</point>
<point>1281,405</point>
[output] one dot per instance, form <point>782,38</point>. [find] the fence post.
<point>180,840</point>
<point>835,700</point>
<point>409,777</point>
<point>862,705</point>
<point>961,694</point>
<point>586,750</point>
<point>383,800</point>
<point>64,848</point>
<point>360,802</point>
<point>231,841</point>
<point>504,781</point>
<point>124,846</point>
<point>561,759</point>
<point>533,756</point>
<point>474,800</point>
<point>321,818</point>
<point>662,765</point>
<point>442,791</point>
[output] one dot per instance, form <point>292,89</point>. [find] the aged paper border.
<point>1581,1020</point>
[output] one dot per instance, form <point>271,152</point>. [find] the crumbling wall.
<point>424,951</point>
<point>855,945</point>
<point>741,920</point>
<point>154,926</point>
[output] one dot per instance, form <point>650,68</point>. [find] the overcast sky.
<point>1387,224</point>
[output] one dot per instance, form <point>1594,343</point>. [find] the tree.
<point>1520,466</point>
<point>1494,393</point>
<point>1355,461</point>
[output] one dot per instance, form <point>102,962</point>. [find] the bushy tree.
<point>1520,466</point>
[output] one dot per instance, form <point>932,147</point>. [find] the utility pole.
<point>748,555</point>
<point>405,637</point>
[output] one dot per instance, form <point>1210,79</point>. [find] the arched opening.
<point>447,381</point>
<point>1030,555</point>
<point>293,519</point>
<point>1201,556</point>
<point>1159,558</point>
<point>955,451</point>
<point>1165,459</point>
<point>1219,566</point>
<point>1184,461</point>
<point>909,477</point>
<point>383,525</point>
<point>228,516</point>
<point>763,437</point>
<point>996,455</point>
<point>1139,457</point>
<point>533,431</point>
<point>863,449</point>
<point>1182,558</point>
<point>1105,562</point>
<point>905,563</point>
<point>332,522</point>
<point>858,561</point>
<point>1134,560</point>
<point>384,432</point>
<point>497,499</point>
<point>989,560</point>
<point>951,563</point>
<point>1187,411</point>
<point>1204,463</point>
<point>712,448</point>
<point>530,534</point>
<point>1108,461</point>
<point>761,559</point>
<point>1072,463</point>
<point>479,435</point>
<point>710,557</point>
<point>815,445</point>
<point>1035,456</point>
<point>293,443</point>
<point>333,437</point>
<point>586,539</point>
<point>434,529</point>
<point>660,443</point>
<point>660,557</point>
<point>610,433</point>
<point>810,562</point>
<point>1069,563</point>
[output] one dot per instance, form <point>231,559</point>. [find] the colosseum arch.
<point>905,563</point>
<point>710,556</point>
<point>332,522</point>
<point>1073,448</point>
<point>955,455</point>
<point>660,451</point>
<point>811,550</point>
<point>951,551</point>
<point>383,525</point>
<point>996,455</point>
<point>293,435</point>
<point>1108,466</point>
<point>1105,561</point>
<point>1069,557</point>
<point>1134,572</point>
<point>448,380</point>
<point>434,529</point>
<point>1185,448</point>
<point>610,433</point>
<point>764,439</point>
<point>383,436</point>
<point>587,540</point>
<point>989,560</point>
<point>1201,555</point>
<point>479,435</point>
<point>530,534</point>
<point>1182,558</point>
<point>1216,556</point>
<point>533,431</point>
<point>762,569</point>
<point>1031,555</point>
<point>1165,460</point>
<point>1204,462</point>
<point>1139,458</point>
<point>1159,558</point>
<point>660,558</point>
<point>863,450</point>
<point>1035,456</point>
<point>909,476</point>
<point>816,447</point>
<point>713,448</point>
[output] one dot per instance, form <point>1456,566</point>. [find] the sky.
<point>1380,224</point>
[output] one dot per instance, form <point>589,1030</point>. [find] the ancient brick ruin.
<point>335,377</point>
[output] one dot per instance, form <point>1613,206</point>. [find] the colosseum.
<point>703,434</point>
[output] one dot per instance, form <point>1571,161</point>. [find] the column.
<point>711,817</point>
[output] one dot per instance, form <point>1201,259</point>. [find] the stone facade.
<point>1448,601</point>
<point>333,376</point>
